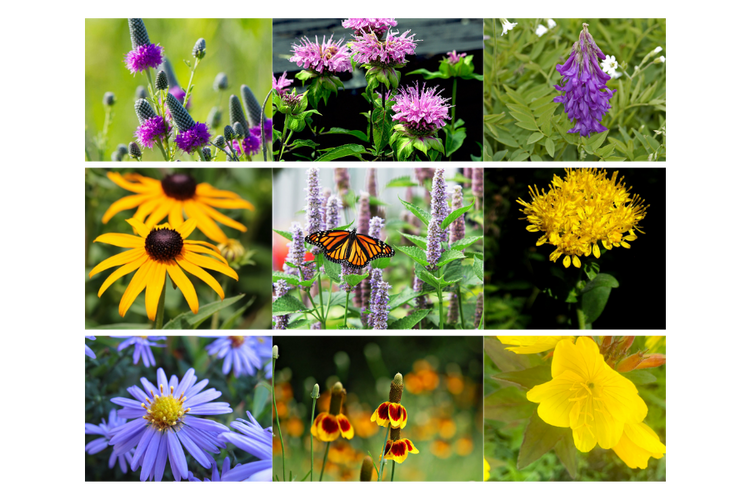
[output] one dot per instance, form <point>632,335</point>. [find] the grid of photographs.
<point>466,248</point>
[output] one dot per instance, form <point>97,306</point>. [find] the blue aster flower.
<point>89,351</point>
<point>165,423</point>
<point>237,351</point>
<point>226,468</point>
<point>143,345</point>
<point>99,444</point>
<point>255,440</point>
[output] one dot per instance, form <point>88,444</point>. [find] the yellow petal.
<point>554,398</point>
<point>136,286</point>
<point>576,261</point>
<point>639,443</point>
<point>121,240</point>
<point>154,288</point>
<point>135,187</point>
<point>175,216</point>
<point>183,283</point>
<point>192,248</point>
<point>235,203</point>
<point>566,261</point>
<point>140,227</point>
<point>161,212</point>
<point>205,224</point>
<point>146,208</point>
<point>202,275</point>
<point>219,217</point>
<point>186,228</point>
<point>125,203</point>
<point>209,263</point>
<point>126,269</point>
<point>118,260</point>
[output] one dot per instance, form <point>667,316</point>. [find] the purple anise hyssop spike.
<point>586,96</point>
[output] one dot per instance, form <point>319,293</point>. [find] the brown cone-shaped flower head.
<point>329,424</point>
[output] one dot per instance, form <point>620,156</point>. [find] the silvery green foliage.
<point>252,105</point>
<point>181,117</point>
<point>221,82</point>
<point>143,110</point>
<point>237,115</point>
<point>138,33</point>
<point>220,142</point>
<point>109,99</point>
<point>161,81</point>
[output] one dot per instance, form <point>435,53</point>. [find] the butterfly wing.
<point>342,248</point>
<point>334,242</point>
<point>367,248</point>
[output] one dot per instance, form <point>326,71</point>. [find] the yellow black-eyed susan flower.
<point>155,252</point>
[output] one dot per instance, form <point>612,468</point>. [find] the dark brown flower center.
<point>179,186</point>
<point>163,244</point>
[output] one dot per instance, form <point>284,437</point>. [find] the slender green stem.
<point>322,308</point>
<point>105,131</point>
<point>160,308</point>
<point>393,470</point>
<point>283,140</point>
<point>460,308</point>
<point>263,132</point>
<point>346,308</point>
<point>581,318</point>
<point>325,458</point>
<point>278,424</point>
<point>440,300</point>
<point>312,420</point>
<point>453,101</point>
<point>189,88</point>
<point>328,302</point>
<point>382,454</point>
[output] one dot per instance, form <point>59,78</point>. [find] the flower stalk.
<point>275,356</point>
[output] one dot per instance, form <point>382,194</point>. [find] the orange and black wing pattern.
<point>348,247</point>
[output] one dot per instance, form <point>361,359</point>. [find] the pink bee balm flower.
<point>584,86</point>
<point>326,57</point>
<point>376,25</point>
<point>282,83</point>
<point>421,112</point>
<point>454,58</point>
<point>368,49</point>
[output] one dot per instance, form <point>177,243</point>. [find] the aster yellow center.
<point>179,186</point>
<point>165,411</point>
<point>237,341</point>
<point>163,244</point>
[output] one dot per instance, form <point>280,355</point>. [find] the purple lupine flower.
<point>255,440</point>
<point>236,351</point>
<point>162,425</point>
<point>250,145</point>
<point>281,288</point>
<point>379,301</point>
<point>281,84</point>
<point>151,131</point>
<point>145,55</point>
<point>323,58</point>
<point>90,352</point>
<point>586,96</point>
<point>458,226</point>
<point>369,49</point>
<point>421,112</point>
<point>97,445</point>
<point>142,349</point>
<point>479,311</point>
<point>341,176</point>
<point>376,25</point>
<point>452,316</point>
<point>314,210</point>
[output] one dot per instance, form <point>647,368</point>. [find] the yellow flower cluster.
<point>581,211</point>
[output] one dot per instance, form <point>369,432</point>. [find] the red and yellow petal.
<point>397,415</point>
<point>398,451</point>
<point>345,426</point>
<point>327,427</point>
<point>314,428</point>
<point>380,415</point>
<point>410,446</point>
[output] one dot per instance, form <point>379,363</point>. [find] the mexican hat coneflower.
<point>156,251</point>
<point>328,425</point>
<point>398,449</point>
<point>173,196</point>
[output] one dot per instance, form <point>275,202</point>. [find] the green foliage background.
<point>522,123</point>
<point>241,48</point>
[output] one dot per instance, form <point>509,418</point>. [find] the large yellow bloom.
<point>156,252</point>
<point>171,197</point>
<point>588,396</point>
<point>582,211</point>
<point>528,344</point>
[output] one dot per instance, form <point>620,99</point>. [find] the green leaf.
<point>521,110</point>
<point>407,322</point>
<point>343,152</point>
<point>504,359</point>
<point>465,242</point>
<point>290,280</point>
<point>514,95</point>
<point>403,297</point>
<point>549,145</point>
<point>332,270</point>
<point>228,324</point>
<point>538,439</point>
<point>597,140</point>
<point>565,450</point>
<point>356,133</point>
<point>355,279</point>
<point>528,378</point>
<point>420,241</point>
<point>260,399</point>
<point>640,377</point>
<point>418,212</point>
<point>507,405</point>
<point>456,214</point>
<point>594,301</point>
<point>535,137</point>
<point>454,140</point>
<point>478,268</point>
<point>415,253</point>
<point>449,256</point>
<point>601,279</point>
<point>605,151</point>
<point>404,181</point>
<point>188,320</point>
<point>427,277</point>
<point>285,234</point>
<point>287,304</point>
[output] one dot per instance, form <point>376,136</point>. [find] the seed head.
<point>138,33</point>
<point>237,115</point>
<point>109,99</point>
<point>220,142</point>
<point>214,118</point>
<point>181,117</point>
<point>161,81</point>
<point>251,105</point>
<point>134,150</point>
<point>239,131</point>
<point>116,156</point>
<point>228,133</point>
<point>221,82</point>
<point>140,92</point>
<point>199,50</point>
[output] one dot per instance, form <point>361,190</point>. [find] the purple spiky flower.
<point>281,288</point>
<point>477,186</point>
<point>323,58</point>
<point>333,212</point>
<point>364,25</point>
<point>282,84</point>
<point>145,55</point>
<point>439,199</point>
<point>458,226</point>
<point>268,130</point>
<point>345,271</point>
<point>341,176</point>
<point>314,209</point>
<point>370,49</point>
<point>586,96</point>
<point>479,310</point>
<point>454,58</point>
<point>250,145</point>
<point>452,316</point>
<point>421,112</point>
<point>193,139</point>
<point>142,349</point>
<point>379,298</point>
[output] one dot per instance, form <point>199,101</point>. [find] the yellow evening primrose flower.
<point>581,212</point>
<point>154,253</point>
<point>529,344</point>
<point>639,443</point>
<point>173,196</point>
<point>486,470</point>
<point>588,396</point>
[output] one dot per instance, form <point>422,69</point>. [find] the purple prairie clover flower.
<point>458,226</point>
<point>164,423</point>
<point>250,145</point>
<point>193,139</point>
<point>364,25</point>
<point>255,440</point>
<point>90,352</point>
<point>323,58</point>
<point>479,311</point>
<point>586,96</point>
<point>434,249</point>
<point>151,131</point>
<point>421,112</point>
<point>379,298</point>
<point>145,55</point>
<point>439,209</point>
<point>142,349</point>
<point>97,445</point>
<point>280,288</point>
<point>333,212</point>
<point>268,130</point>
<point>236,351</point>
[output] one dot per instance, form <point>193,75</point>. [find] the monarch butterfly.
<point>348,247</point>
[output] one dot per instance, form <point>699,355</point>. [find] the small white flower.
<point>609,66</point>
<point>662,59</point>
<point>551,23</point>
<point>541,30</point>
<point>656,50</point>
<point>507,26</point>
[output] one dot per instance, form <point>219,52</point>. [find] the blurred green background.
<point>241,48</point>
<point>502,439</point>
<point>112,372</point>
<point>252,184</point>
<point>442,397</point>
